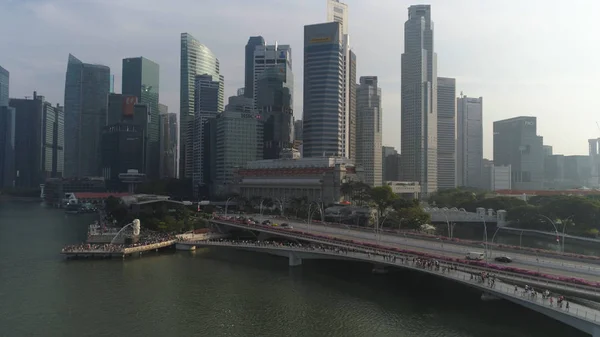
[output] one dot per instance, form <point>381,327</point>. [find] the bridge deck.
<point>462,275</point>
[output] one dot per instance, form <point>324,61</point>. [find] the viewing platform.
<point>107,251</point>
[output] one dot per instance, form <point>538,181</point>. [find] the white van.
<point>475,256</point>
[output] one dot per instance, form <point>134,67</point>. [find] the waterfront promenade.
<point>147,242</point>
<point>495,283</point>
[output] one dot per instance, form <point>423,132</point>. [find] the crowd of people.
<point>86,247</point>
<point>145,238</point>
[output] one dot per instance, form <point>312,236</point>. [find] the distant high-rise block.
<point>419,101</point>
<point>268,57</point>
<point>122,150</point>
<point>338,12</point>
<point>253,42</point>
<point>207,105</point>
<point>469,147</point>
<point>4,84</point>
<point>86,94</point>
<point>368,130</point>
<point>517,144</point>
<point>120,107</point>
<point>274,102</point>
<point>39,141</point>
<point>196,59</point>
<point>298,130</point>
<point>239,139</point>
<point>391,164</point>
<point>446,133</point>
<point>168,142</point>
<point>141,79</point>
<point>323,90</point>
<point>7,146</point>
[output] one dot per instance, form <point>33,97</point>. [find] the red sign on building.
<point>128,104</point>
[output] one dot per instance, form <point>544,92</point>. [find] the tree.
<point>496,203</point>
<point>410,218</point>
<point>400,203</point>
<point>453,197</point>
<point>383,197</point>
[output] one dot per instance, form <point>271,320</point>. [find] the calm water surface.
<point>220,292</point>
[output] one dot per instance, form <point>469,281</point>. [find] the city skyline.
<point>484,61</point>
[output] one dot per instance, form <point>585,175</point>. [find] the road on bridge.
<point>544,264</point>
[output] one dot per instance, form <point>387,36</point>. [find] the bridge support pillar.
<point>294,260</point>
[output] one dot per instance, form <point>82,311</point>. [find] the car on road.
<point>286,225</point>
<point>475,256</point>
<point>504,259</point>
<point>266,222</point>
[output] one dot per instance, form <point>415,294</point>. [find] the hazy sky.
<point>528,57</point>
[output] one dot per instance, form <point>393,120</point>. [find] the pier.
<point>109,251</point>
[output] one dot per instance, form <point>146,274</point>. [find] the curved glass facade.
<point>196,59</point>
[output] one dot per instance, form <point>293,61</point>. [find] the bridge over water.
<point>333,239</point>
<point>582,317</point>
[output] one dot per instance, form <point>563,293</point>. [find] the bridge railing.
<point>342,243</point>
<point>463,274</point>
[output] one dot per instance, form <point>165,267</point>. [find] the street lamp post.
<point>564,223</point>
<point>227,204</point>
<point>260,208</point>
<point>485,237</point>
<point>520,239</point>
<point>555,228</point>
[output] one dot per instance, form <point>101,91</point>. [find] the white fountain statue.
<point>136,227</point>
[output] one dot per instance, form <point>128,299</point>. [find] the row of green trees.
<point>392,210</point>
<point>162,216</point>
<point>578,214</point>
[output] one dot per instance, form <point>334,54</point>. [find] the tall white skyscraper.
<point>419,101</point>
<point>338,12</point>
<point>446,133</point>
<point>469,144</point>
<point>368,130</point>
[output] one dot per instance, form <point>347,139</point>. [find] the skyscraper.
<point>253,42</point>
<point>207,104</point>
<point>4,81</point>
<point>196,59</point>
<point>517,144</point>
<point>7,146</point>
<point>268,57</point>
<point>298,130</point>
<point>391,164</point>
<point>274,102</point>
<point>141,79</point>
<point>39,141</point>
<point>338,12</point>
<point>168,142</point>
<point>86,94</point>
<point>446,133</point>
<point>323,90</point>
<point>469,147</point>
<point>239,140</point>
<point>419,100</point>
<point>7,134</point>
<point>368,130</point>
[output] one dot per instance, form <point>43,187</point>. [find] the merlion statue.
<point>136,227</point>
